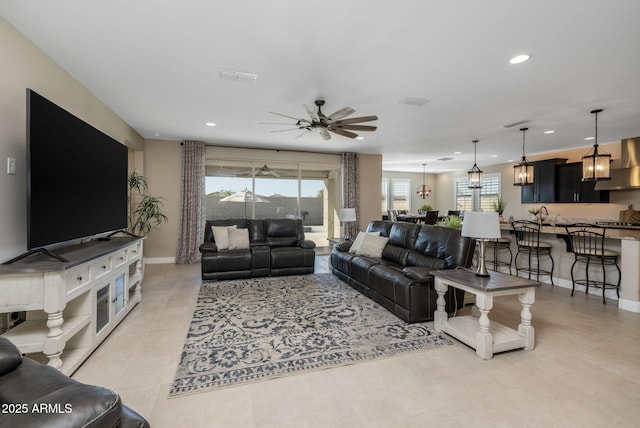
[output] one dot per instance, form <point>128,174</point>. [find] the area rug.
<point>257,329</point>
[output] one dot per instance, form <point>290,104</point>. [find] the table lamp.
<point>481,226</point>
<point>347,215</point>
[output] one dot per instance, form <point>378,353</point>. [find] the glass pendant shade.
<point>523,172</point>
<point>423,191</point>
<point>596,165</point>
<point>475,174</point>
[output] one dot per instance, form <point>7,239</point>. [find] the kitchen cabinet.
<point>571,188</point>
<point>543,189</point>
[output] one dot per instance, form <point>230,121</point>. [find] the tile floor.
<point>584,372</point>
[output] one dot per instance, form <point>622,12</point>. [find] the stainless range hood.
<point>627,177</point>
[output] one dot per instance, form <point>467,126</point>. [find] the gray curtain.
<point>192,218</point>
<point>350,191</point>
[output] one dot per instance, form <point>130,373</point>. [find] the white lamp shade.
<point>482,225</point>
<point>348,214</point>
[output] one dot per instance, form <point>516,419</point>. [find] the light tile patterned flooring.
<point>584,372</point>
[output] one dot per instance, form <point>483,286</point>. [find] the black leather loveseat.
<point>36,395</point>
<point>275,247</point>
<point>400,280</point>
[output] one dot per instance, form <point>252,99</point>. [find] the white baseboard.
<point>159,260</point>
<point>629,305</point>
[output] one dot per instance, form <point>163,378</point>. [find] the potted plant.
<point>498,206</point>
<point>423,209</point>
<point>454,222</point>
<point>145,210</point>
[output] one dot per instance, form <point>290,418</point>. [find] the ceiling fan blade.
<point>343,112</point>
<point>324,134</point>
<point>303,133</point>
<point>289,117</point>
<point>343,132</point>
<point>276,123</point>
<point>354,127</point>
<point>312,113</point>
<point>355,120</point>
<point>285,130</point>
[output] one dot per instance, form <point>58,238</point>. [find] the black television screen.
<point>76,175</point>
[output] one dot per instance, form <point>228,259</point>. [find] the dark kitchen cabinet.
<point>571,188</point>
<point>543,189</point>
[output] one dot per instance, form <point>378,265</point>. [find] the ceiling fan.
<point>323,124</point>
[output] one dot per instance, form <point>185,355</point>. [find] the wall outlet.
<point>11,166</point>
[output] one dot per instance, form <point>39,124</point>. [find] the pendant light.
<point>596,164</point>
<point>475,174</point>
<point>523,172</point>
<point>423,191</point>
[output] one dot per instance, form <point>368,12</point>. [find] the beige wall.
<point>370,167</point>
<point>26,66</point>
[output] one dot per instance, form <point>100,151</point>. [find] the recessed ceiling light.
<point>590,138</point>
<point>518,59</point>
<point>210,124</point>
<point>457,153</point>
<point>359,138</point>
<point>551,131</point>
<point>494,156</point>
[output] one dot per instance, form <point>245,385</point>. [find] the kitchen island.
<point>625,242</point>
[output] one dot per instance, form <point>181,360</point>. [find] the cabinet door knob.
<point>104,267</point>
<point>79,278</point>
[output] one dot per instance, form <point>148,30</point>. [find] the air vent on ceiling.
<point>239,76</point>
<point>511,125</point>
<point>412,101</point>
<point>445,159</point>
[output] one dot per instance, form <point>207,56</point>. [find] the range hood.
<point>628,176</point>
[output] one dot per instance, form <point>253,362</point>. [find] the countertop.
<point>558,229</point>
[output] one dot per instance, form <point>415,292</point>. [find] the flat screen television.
<point>76,177</point>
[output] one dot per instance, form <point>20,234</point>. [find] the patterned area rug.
<point>257,329</point>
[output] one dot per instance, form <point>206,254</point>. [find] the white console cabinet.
<point>72,306</point>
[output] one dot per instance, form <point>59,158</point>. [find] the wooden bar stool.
<point>587,244</point>
<point>528,240</point>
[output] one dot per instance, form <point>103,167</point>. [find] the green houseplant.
<point>145,210</point>
<point>454,222</point>
<point>425,208</point>
<point>499,205</point>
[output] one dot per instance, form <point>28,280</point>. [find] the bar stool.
<point>587,244</point>
<point>494,247</point>
<point>528,240</point>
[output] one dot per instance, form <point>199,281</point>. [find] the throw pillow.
<point>238,239</point>
<point>372,246</point>
<point>357,243</point>
<point>221,236</point>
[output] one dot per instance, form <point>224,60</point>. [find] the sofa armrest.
<point>10,356</point>
<point>208,247</point>
<point>418,273</point>
<point>307,244</point>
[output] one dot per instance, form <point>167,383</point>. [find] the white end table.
<point>476,330</point>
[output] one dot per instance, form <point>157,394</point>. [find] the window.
<point>488,194</point>
<point>385,195</point>
<point>400,194</point>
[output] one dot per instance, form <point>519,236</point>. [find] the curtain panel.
<point>192,217</point>
<point>350,191</point>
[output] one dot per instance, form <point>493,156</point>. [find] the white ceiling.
<point>156,63</point>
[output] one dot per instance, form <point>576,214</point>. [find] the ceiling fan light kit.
<point>324,125</point>
<point>596,165</point>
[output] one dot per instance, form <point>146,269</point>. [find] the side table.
<point>479,332</point>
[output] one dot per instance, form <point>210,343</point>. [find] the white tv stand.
<point>72,306</point>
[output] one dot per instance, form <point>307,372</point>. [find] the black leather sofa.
<point>36,395</point>
<point>277,247</point>
<point>400,280</point>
